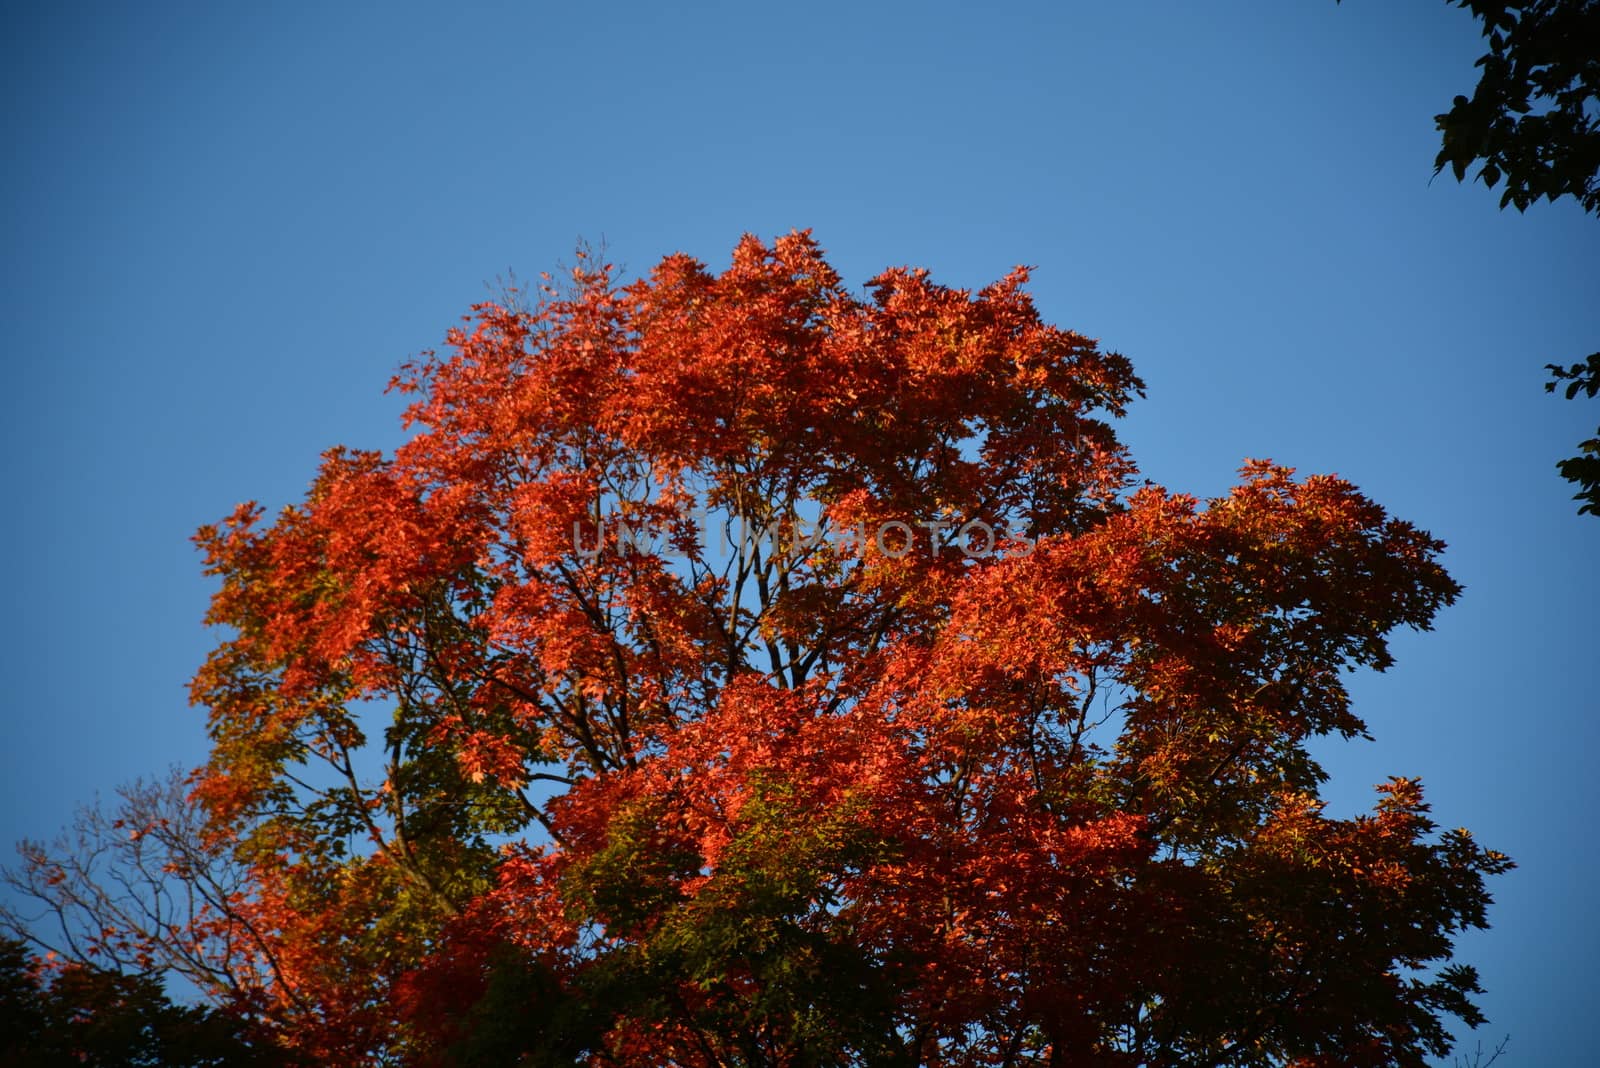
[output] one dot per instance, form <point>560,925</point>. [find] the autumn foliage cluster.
<point>733,670</point>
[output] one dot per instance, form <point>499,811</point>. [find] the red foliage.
<point>976,755</point>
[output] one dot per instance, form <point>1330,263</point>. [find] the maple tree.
<point>731,669</point>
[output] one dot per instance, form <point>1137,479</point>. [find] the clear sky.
<point>227,224</point>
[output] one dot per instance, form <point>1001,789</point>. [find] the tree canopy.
<point>1534,120</point>
<point>99,1018</point>
<point>732,669</point>
<point>1534,117</point>
<point>1584,468</point>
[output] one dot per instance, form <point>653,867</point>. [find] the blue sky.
<point>226,225</point>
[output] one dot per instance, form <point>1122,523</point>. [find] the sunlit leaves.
<point>732,669</point>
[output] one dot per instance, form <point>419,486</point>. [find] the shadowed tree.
<point>1534,122</point>
<point>1584,468</point>
<point>77,1015</point>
